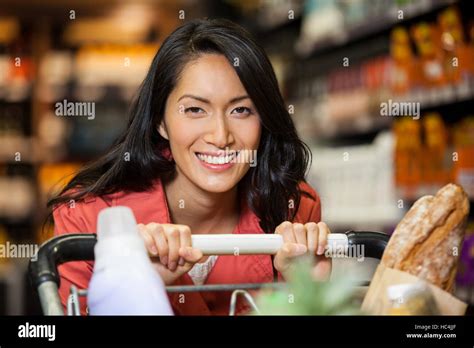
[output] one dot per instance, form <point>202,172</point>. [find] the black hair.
<point>282,158</point>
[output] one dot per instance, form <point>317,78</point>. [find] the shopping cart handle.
<point>80,247</point>
<point>371,244</point>
<point>374,243</point>
<point>58,250</point>
<point>252,244</point>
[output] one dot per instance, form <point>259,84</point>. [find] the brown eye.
<point>242,110</point>
<point>194,110</point>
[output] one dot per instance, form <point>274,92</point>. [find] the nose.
<point>219,133</point>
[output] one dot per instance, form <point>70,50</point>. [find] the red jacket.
<point>151,206</point>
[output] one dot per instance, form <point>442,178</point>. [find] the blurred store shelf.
<point>371,25</point>
<point>273,16</point>
<point>440,96</point>
<point>326,128</point>
<point>356,185</point>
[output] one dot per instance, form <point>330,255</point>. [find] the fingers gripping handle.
<point>118,220</point>
<point>251,244</point>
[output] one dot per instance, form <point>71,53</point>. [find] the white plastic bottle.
<point>124,281</point>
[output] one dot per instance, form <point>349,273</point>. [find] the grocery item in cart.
<point>425,247</point>
<point>427,242</point>
<point>124,280</point>
<point>412,299</point>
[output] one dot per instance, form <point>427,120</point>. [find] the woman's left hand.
<point>299,239</point>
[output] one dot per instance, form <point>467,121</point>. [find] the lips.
<point>217,161</point>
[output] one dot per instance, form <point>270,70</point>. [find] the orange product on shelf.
<point>435,135</point>
<point>456,59</point>
<point>402,72</point>
<point>408,153</point>
<point>464,149</point>
<point>53,177</point>
<point>431,57</point>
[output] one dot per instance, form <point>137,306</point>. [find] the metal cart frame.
<point>43,269</point>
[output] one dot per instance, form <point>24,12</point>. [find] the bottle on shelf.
<point>430,54</point>
<point>402,74</point>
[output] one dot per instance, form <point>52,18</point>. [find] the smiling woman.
<point>209,99</point>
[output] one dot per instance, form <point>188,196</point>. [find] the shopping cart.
<point>43,268</point>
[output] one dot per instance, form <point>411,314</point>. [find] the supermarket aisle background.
<point>348,70</point>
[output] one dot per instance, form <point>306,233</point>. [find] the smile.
<point>224,159</point>
<point>217,162</point>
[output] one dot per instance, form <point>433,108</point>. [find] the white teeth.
<point>216,159</point>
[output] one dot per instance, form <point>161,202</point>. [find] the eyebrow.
<point>204,100</point>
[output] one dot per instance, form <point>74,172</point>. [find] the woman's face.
<point>211,124</point>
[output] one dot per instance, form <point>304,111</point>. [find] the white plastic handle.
<point>251,244</point>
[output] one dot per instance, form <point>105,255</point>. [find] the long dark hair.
<point>282,158</point>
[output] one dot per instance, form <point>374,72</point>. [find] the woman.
<point>185,166</point>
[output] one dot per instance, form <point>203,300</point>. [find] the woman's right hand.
<point>171,249</point>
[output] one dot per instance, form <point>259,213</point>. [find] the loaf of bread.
<point>427,242</point>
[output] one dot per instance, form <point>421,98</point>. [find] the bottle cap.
<point>116,221</point>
